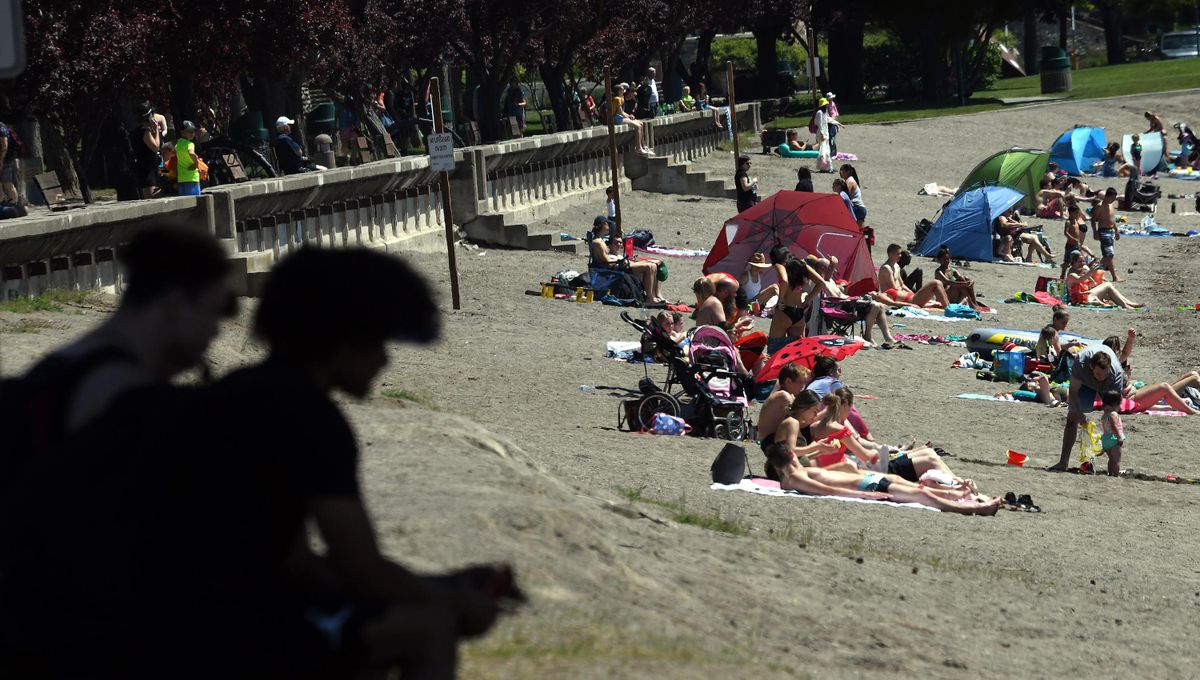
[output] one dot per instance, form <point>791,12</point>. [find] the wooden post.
<point>812,65</point>
<point>612,156</point>
<point>444,181</point>
<point>733,116</point>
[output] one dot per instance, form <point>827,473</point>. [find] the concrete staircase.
<point>665,176</point>
<point>520,227</point>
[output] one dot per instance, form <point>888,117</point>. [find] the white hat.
<point>284,120</point>
<point>830,95</point>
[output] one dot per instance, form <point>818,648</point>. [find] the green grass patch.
<point>681,514</point>
<point>1089,83</point>
<point>50,301</point>
<point>414,397</point>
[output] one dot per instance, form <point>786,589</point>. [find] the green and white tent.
<point>1021,169</point>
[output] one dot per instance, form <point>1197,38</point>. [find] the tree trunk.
<point>554,81</point>
<point>1030,42</point>
<point>846,57</point>
<point>488,112</point>
<point>1062,27</point>
<point>766,63</point>
<point>183,93</point>
<point>59,159</point>
<point>700,69</point>
<point>1114,46</point>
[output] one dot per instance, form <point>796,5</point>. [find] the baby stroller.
<point>707,395</point>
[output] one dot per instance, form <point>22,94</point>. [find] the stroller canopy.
<point>806,223</point>
<point>1152,150</point>
<point>1021,169</point>
<point>1078,148</point>
<point>965,224</point>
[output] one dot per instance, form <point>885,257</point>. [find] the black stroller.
<point>687,392</point>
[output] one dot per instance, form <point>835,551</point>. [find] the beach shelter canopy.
<point>1021,169</point>
<point>965,224</point>
<point>806,223</point>
<point>1078,148</point>
<point>1152,150</point>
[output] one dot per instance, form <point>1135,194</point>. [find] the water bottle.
<point>587,389</point>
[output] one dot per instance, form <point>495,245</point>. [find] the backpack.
<point>730,465</point>
<point>619,285</point>
<point>919,232</point>
<point>641,237</point>
<point>16,147</point>
<point>812,124</point>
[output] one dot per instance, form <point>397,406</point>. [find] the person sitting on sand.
<point>1059,320</point>
<point>752,280</point>
<point>959,288</point>
<point>1086,286</point>
<point>794,476</point>
<point>1148,396</point>
<point>1113,164</point>
<point>891,282</point>
<point>910,463</point>
<point>804,180</point>
<point>1049,200</point>
<point>602,258</point>
<point>793,379</point>
<point>716,309</point>
<point>1097,371</point>
<point>801,414</point>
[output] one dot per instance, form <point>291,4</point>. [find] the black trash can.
<point>1055,68</point>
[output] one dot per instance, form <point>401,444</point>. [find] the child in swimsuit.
<point>1113,439</point>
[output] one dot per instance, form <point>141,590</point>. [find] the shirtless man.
<point>714,311</point>
<point>872,486</point>
<point>891,283</point>
<point>793,378</point>
<point>1106,231</point>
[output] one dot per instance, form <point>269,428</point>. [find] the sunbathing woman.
<point>958,287</point>
<point>602,258</point>
<point>794,476</point>
<point>1149,395</point>
<point>1086,288</point>
<point>910,463</point>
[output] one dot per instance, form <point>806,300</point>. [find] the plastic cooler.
<point>1009,366</point>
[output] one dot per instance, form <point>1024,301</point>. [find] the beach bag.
<point>1009,366</point>
<point>641,238</point>
<point>812,124</point>
<point>662,271</point>
<point>669,425</point>
<point>617,285</point>
<point>730,465</point>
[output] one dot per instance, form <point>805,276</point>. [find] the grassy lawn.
<point>1092,83</point>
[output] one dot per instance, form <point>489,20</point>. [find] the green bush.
<point>744,51</point>
<point>887,68</point>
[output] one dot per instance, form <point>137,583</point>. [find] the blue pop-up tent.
<point>1078,148</point>
<point>965,223</point>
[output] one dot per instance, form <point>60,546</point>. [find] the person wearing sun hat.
<point>824,124</point>
<point>752,281</point>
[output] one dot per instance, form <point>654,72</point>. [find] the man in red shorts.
<point>891,283</point>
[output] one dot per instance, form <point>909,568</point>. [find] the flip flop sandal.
<point>942,452</point>
<point>886,345</point>
<point>902,345</point>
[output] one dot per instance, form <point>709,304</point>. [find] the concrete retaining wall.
<point>393,204</point>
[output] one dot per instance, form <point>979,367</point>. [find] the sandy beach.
<point>483,447</point>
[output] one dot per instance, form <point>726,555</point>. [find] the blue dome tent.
<point>965,223</point>
<point>1077,149</point>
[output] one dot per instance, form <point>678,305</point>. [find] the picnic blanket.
<point>766,487</point>
<point>673,252</point>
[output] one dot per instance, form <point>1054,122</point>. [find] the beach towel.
<point>673,252</point>
<point>986,397</point>
<point>918,313</point>
<point>621,349</point>
<point>766,487</point>
<point>843,156</point>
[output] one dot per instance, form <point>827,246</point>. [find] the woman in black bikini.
<point>790,314</point>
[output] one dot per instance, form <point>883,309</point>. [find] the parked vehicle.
<point>1181,44</point>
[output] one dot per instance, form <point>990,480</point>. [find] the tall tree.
<point>567,30</point>
<point>845,24</point>
<point>490,37</point>
<point>772,21</point>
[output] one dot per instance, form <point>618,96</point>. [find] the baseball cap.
<point>283,120</point>
<point>187,125</point>
<point>600,219</point>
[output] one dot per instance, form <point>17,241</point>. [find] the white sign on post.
<point>441,152</point>
<point>12,43</point>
